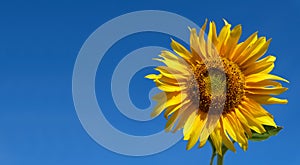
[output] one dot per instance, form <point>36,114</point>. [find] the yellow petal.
<point>202,142</point>
<point>243,121</point>
<point>184,53</point>
<point>266,99</point>
<point>194,136</point>
<point>265,65</point>
<point>226,140</point>
<point>224,34</point>
<point>242,118</point>
<point>264,83</point>
<point>259,113</point>
<point>266,91</point>
<point>177,115</point>
<point>229,127</point>
<point>243,46</point>
<point>194,43</point>
<point>172,120</point>
<point>169,56</point>
<point>216,138</point>
<point>175,108</point>
<point>196,130</point>
<point>253,123</point>
<point>170,88</point>
<point>239,131</point>
<point>259,110</point>
<point>172,81</point>
<point>180,50</point>
<point>184,117</point>
<point>187,129</point>
<point>255,55</point>
<point>245,55</point>
<point>153,76</point>
<point>267,120</point>
<point>202,43</point>
<point>260,77</point>
<point>162,96</point>
<point>211,40</point>
<point>172,73</point>
<point>166,103</point>
<point>174,64</point>
<point>213,33</point>
<point>232,41</point>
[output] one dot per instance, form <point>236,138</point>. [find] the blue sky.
<point>39,43</point>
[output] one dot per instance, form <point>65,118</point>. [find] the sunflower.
<point>216,89</point>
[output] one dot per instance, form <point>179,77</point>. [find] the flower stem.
<point>220,160</point>
<point>212,156</point>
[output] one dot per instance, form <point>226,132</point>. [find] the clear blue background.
<point>39,42</point>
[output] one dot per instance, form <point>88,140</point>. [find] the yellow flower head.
<point>215,90</point>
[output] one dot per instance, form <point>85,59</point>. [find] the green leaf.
<point>270,131</point>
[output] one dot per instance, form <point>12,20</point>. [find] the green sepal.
<point>270,131</point>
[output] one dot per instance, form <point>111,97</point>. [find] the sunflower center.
<point>218,80</point>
